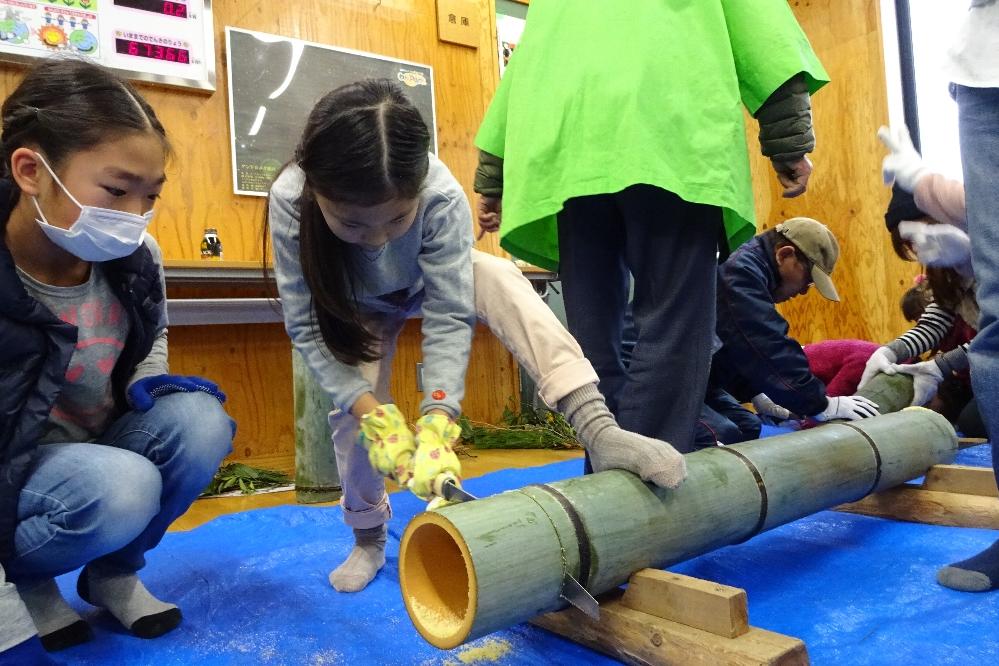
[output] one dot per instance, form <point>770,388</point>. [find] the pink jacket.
<point>942,199</point>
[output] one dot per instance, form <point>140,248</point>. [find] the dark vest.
<point>35,350</point>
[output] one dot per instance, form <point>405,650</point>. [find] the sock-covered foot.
<point>975,574</point>
<point>127,599</point>
<point>27,653</point>
<point>610,447</point>
<point>364,561</point>
<point>58,625</point>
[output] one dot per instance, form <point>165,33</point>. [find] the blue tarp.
<point>253,588</point>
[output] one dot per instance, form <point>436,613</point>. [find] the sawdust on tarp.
<point>489,651</point>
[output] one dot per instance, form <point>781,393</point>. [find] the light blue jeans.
<point>112,500</point>
<point>978,110</point>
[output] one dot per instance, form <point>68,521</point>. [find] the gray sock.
<point>124,596</point>
<point>610,447</point>
<point>58,625</point>
<point>364,561</point>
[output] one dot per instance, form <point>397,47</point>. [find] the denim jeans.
<point>112,500</point>
<point>978,110</point>
<point>724,420</point>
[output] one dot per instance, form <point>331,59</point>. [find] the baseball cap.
<point>819,245</point>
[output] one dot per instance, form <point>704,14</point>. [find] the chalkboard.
<point>275,81</point>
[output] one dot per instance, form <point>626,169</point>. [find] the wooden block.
<point>719,609</point>
<point>915,505</point>
<point>635,637</point>
<point>968,442</point>
<point>962,479</point>
<point>458,22</point>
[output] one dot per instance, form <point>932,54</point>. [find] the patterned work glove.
<point>389,442</point>
<point>142,393</point>
<point>436,436</point>
<point>904,165</point>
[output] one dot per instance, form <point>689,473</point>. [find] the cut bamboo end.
<point>438,580</point>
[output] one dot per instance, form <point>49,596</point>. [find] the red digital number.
<point>168,8</point>
<point>158,52</point>
<point>149,50</point>
<point>171,54</point>
<point>133,49</point>
<point>182,56</point>
<point>180,11</point>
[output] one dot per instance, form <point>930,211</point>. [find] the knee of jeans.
<point>205,438</point>
<point>121,503</point>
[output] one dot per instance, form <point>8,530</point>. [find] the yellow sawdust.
<point>437,621</point>
<point>489,651</point>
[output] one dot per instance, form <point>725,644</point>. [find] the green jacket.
<point>600,96</point>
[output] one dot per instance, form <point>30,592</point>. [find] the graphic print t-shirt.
<point>85,406</point>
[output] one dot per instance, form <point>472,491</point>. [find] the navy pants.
<point>669,246</point>
<point>725,421</point>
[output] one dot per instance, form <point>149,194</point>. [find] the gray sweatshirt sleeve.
<point>342,383</point>
<point>449,300</point>
<point>156,362</point>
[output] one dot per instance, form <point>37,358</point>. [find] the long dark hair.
<point>66,105</point>
<point>364,144</point>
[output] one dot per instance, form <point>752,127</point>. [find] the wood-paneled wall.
<point>846,191</point>
<point>252,362</point>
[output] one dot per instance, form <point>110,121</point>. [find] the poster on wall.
<point>275,81</point>
<point>510,20</point>
<point>164,41</point>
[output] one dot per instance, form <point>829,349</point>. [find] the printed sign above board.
<point>163,41</point>
<point>275,81</point>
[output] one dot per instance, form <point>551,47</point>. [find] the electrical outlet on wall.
<point>419,377</point>
<point>458,22</point>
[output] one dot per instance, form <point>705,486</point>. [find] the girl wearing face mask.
<point>927,220</point>
<point>369,229</point>
<point>98,453</point>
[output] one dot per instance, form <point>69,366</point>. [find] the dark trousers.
<point>670,248</point>
<point>724,420</point>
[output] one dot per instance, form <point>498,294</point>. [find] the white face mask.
<point>99,234</point>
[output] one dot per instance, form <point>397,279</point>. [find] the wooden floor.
<point>477,464</point>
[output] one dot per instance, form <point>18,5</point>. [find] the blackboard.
<point>275,81</point>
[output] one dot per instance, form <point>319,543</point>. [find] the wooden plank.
<point>702,604</point>
<point>639,638</point>
<point>968,442</point>
<point>916,505</point>
<point>962,479</point>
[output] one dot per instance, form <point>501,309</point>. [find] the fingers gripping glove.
<point>848,407</point>
<point>389,442</point>
<point>880,361</point>
<point>926,378</point>
<point>142,393</point>
<point>436,436</point>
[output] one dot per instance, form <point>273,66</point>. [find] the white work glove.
<point>903,165</point>
<point>882,360</point>
<point>764,406</point>
<point>942,245</point>
<point>849,407</point>
<point>926,378</point>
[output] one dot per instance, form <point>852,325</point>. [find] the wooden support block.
<point>702,604</point>
<point>635,637</point>
<point>968,442</point>
<point>962,479</point>
<point>913,504</point>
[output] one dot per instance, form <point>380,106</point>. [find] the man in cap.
<point>757,356</point>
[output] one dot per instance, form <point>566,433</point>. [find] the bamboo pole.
<point>316,476</point>
<point>470,569</point>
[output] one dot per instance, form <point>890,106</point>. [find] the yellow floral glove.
<point>389,442</point>
<point>436,436</point>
